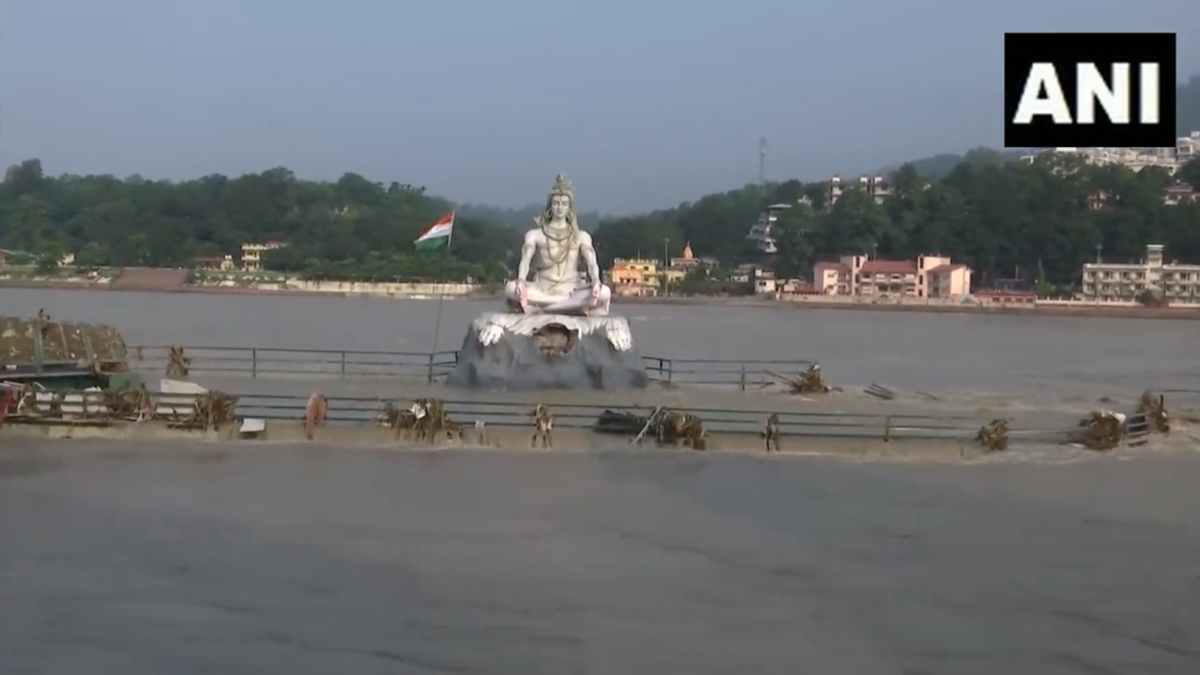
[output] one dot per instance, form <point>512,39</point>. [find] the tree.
<point>94,254</point>
<point>47,263</point>
<point>24,178</point>
<point>794,231</point>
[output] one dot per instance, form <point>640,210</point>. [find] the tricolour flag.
<point>436,235</point>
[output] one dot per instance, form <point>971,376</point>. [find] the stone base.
<point>548,351</point>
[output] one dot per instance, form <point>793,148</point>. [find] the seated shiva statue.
<point>551,251</point>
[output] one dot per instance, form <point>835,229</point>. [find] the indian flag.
<point>437,234</point>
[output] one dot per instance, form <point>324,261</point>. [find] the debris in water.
<point>1155,410</point>
<point>882,392</point>
<point>1101,430</point>
<point>994,435</point>
<point>810,381</point>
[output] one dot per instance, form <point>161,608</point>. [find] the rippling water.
<point>933,351</point>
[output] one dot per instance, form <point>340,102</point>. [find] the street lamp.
<point>1099,248</point>
<point>666,264</point>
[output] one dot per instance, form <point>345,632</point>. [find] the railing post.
<point>670,369</point>
<point>254,362</point>
<point>429,375</point>
<point>742,378</point>
<point>343,364</point>
<point>887,429</point>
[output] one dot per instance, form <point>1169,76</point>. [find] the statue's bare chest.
<point>557,250</point>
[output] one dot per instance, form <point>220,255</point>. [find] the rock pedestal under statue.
<point>548,351</point>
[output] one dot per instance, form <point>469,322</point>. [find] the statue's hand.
<point>619,337</point>
<point>490,335</point>
<point>523,295</point>
<point>595,295</point>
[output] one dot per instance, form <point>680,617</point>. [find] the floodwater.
<point>307,558</point>
<point>995,353</point>
<point>189,558</point>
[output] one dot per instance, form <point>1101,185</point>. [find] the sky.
<point>643,104</point>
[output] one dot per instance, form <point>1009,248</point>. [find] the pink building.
<point>832,278</point>
<point>929,276</point>
<point>887,277</point>
<point>948,281</point>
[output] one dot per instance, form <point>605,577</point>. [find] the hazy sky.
<point>644,104</point>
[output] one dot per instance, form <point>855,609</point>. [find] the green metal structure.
<point>60,355</point>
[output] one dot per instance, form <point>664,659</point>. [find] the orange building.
<point>634,277</point>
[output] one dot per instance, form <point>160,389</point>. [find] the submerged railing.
<point>286,362</point>
<point>433,367</point>
<point>80,407</point>
<point>744,374</point>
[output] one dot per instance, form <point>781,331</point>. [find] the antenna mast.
<point>762,160</point>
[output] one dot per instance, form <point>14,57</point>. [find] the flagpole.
<point>437,323</point>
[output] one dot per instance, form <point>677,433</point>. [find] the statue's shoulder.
<point>532,237</point>
<point>584,238</point>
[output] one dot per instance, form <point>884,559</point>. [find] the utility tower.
<point>762,160</point>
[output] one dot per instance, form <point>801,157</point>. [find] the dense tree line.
<point>351,228</point>
<point>1005,218</point>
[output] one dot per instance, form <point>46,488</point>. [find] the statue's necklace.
<point>561,257</point>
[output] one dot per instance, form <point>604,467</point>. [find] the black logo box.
<point>1065,50</point>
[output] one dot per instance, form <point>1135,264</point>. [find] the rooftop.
<point>833,264</point>
<point>889,267</point>
<point>948,268</point>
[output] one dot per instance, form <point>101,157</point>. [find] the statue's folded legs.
<point>579,300</point>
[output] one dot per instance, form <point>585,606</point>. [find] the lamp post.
<point>666,265</point>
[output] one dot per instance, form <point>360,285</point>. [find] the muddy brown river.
<point>276,557</point>
<point>314,559</point>
<point>994,353</point>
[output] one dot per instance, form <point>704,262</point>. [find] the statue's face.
<point>560,205</point>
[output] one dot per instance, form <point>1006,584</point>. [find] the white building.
<point>764,281</point>
<point>252,254</point>
<point>1186,149</point>
<point>875,186</point>
<point>762,233</point>
<point>1124,281</point>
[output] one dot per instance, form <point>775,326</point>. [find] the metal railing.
<point>432,367</point>
<point>274,361</point>
<point>496,413</point>
<point>89,408</point>
<point>742,374</point>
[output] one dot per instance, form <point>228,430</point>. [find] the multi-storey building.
<point>252,254</point>
<point>1178,193</point>
<point>1124,281</point>
<point>929,276</point>
<point>762,233</point>
<point>1186,149</point>
<point>875,186</point>
<point>634,277</point>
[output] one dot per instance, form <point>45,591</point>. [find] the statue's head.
<point>560,204</point>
